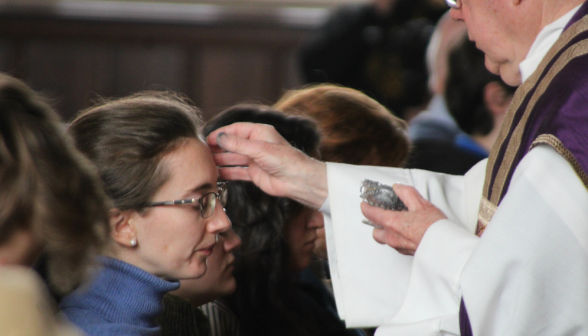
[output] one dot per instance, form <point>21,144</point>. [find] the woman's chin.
<point>301,264</point>
<point>229,287</point>
<point>195,272</point>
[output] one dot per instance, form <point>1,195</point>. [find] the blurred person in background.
<point>436,123</point>
<point>279,236</point>
<point>477,102</point>
<point>51,202</point>
<point>378,48</point>
<point>433,131</point>
<point>166,214</point>
<point>477,99</point>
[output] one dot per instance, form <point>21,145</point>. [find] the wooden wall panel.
<point>289,70</point>
<point>232,75</point>
<point>5,52</point>
<point>149,66</point>
<point>69,73</point>
<point>73,59</point>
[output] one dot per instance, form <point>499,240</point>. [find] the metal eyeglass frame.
<point>453,4</point>
<point>221,195</point>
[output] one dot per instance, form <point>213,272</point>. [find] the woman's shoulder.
<point>25,308</point>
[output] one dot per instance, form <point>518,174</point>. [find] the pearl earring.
<point>133,242</point>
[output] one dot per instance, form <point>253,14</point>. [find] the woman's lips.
<point>207,250</point>
<point>230,265</point>
<point>310,243</point>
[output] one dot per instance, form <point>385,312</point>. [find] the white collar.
<point>544,41</point>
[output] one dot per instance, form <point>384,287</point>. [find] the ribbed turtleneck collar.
<point>123,293</point>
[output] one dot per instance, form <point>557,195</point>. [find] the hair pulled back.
<point>127,138</point>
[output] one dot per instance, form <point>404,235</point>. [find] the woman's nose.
<point>316,220</point>
<point>219,221</point>
<point>232,240</point>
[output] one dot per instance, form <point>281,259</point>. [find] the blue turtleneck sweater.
<point>122,300</point>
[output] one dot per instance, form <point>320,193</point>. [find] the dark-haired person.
<point>278,236</point>
<point>477,100</point>
<point>51,202</point>
<point>499,251</point>
<point>167,209</point>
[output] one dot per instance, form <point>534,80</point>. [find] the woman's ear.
<point>122,229</point>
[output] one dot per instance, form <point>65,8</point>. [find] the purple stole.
<point>550,107</point>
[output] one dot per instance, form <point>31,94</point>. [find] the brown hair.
<point>126,139</point>
<point>47,186</point>
<point>355,128</point>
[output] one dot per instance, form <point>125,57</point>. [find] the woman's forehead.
<point>191,167</point>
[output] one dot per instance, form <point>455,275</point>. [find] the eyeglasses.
<point>453,4</point>
<point>206,203</point>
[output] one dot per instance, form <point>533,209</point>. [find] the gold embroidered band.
<point>553,141</point>
<point>487,210</point>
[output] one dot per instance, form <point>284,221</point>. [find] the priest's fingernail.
<point>219,138</point>
<point>367,222</point>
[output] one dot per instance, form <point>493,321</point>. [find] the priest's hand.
<point>257,153</point>
<point>403,230</point>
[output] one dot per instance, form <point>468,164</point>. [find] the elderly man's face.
<point>498,30</point>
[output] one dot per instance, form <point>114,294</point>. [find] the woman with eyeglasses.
<point>166,211</point>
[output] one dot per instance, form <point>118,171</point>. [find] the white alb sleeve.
<point>373,282</point>
<point>529,273</point>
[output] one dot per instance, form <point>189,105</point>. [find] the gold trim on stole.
<point>555,143</point>
<point>487,210</point>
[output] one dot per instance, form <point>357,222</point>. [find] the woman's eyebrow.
<point>197,189</point>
